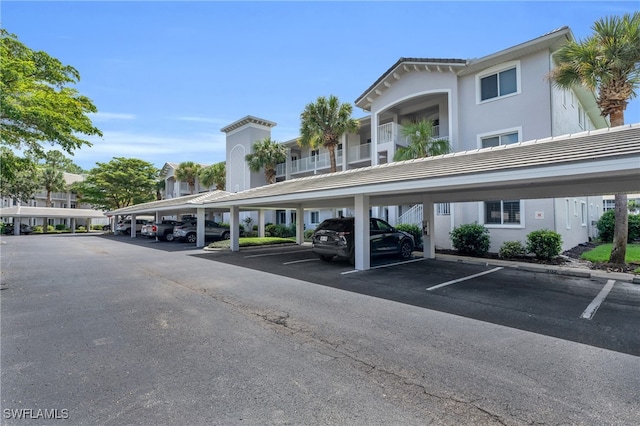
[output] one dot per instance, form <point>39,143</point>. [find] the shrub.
<point>545,244</point>
<point>606,225</point>
<point>281,231</point>
<point>37,228</point>
<point>512,250</point>
<point>412,229</point>
<point>61,227</point>
<point>308,233</point>
<point>81,228</point>
<point>471,238</point>
<point>50,228</point>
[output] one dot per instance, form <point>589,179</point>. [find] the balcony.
<point>309,164</point>
<point>359,153</point>
<point>392,132</point>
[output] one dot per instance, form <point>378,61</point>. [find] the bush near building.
<point>471,238</point>
<point>544,244</point>
<point>606,225</point>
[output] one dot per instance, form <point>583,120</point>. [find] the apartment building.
<point>503,98</point>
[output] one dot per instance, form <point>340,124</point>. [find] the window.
<point>502,212</point>
<point>580,117</point>
<point>583,213</point>
<point>315,217</point>
<point>503,139</point>
<point>314,155</point>
<point>443,209</point>
<point>567,214</point>
<point>499,84</point>
<point>608,205</point>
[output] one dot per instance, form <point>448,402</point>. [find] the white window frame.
<point>315,213</point>
<point>495,70</point>
<point>583,213</point>
<point>482,215</point>
<point>498,133</point>
<point>567,213</point>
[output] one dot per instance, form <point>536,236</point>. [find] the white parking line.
<point>273,254</point>
<point>465,278</point>
<point>386,265</point>
<point>593,306</point>
<point>301,261</point>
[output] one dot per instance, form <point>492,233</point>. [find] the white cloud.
<point>157,149</point>
<point>110,116</point>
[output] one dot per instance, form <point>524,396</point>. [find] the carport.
<point>19,212</point>
<point>598,162</point>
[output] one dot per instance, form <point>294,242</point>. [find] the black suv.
<point>334,238</point>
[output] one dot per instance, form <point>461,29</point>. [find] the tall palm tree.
<point>266,154</point>
<point>607,63</point>
<point>214,174</point>
<point>324,122</point>
<point>52,180</point>
<point>187,171</point>
<point>421,142</point>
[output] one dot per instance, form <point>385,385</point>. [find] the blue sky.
<point>167,76</point>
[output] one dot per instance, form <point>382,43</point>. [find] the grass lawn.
<point>602,252</point>
<point>253,241</point>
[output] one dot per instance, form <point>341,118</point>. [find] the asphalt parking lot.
<point>595,311</point>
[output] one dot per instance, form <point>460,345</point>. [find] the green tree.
<point>58,160</point>
<point>214,174</point>
<point>324,122</point>
<point>266,154</point>
<point>17,176</point>
<point>121,182</point>
<point>36,104</point>
<point>607,63</point>
<point>421,142</point>
<point>51,180</point>
<point>188,171</point>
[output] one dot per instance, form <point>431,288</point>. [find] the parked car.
<point>163,230</point>
<point>24,229</point>
<point>124,226</point>
<point>212,230</point>
<point>334,238</point>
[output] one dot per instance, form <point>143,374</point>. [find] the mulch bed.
<point>570,257</point>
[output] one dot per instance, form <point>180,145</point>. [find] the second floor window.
<point>499,84</point>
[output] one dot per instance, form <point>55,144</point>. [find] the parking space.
<point>549,304</point>
<point>597,312</point>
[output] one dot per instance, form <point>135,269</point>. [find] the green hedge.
<point>606,225</point>
<point>545,244</point>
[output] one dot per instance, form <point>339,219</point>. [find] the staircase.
<point>413,216</point>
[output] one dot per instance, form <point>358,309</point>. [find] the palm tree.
<point>214,174</point>
<point>421,142</point>
<point>267,154</point>
<point>52,180</point>
<point>187,171</point>
<point>607,63</point>
<point>324,122</point>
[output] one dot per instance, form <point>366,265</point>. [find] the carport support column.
<point>200,234</point>
<point>428,240</point>
<point>133,226</point>
<point>234,224</point>
<point>362,231</point>
<point>261,223</point>
<point>299,225</point>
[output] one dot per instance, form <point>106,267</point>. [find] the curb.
<point>618,276</point>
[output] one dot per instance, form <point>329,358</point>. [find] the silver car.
<point>212,230</point>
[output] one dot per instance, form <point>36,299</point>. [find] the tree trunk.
<point>620,233</point>
<point>621,230</point>
<point>332,157</point>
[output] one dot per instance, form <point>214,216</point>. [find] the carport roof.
<point>50,212</point>
<point>193,200</point>
<point>615,152</point>
<point>614,143</point>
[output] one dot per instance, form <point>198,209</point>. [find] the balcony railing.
<point>359,153</point>
<point>392,132</point>
<point>308,164</point>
